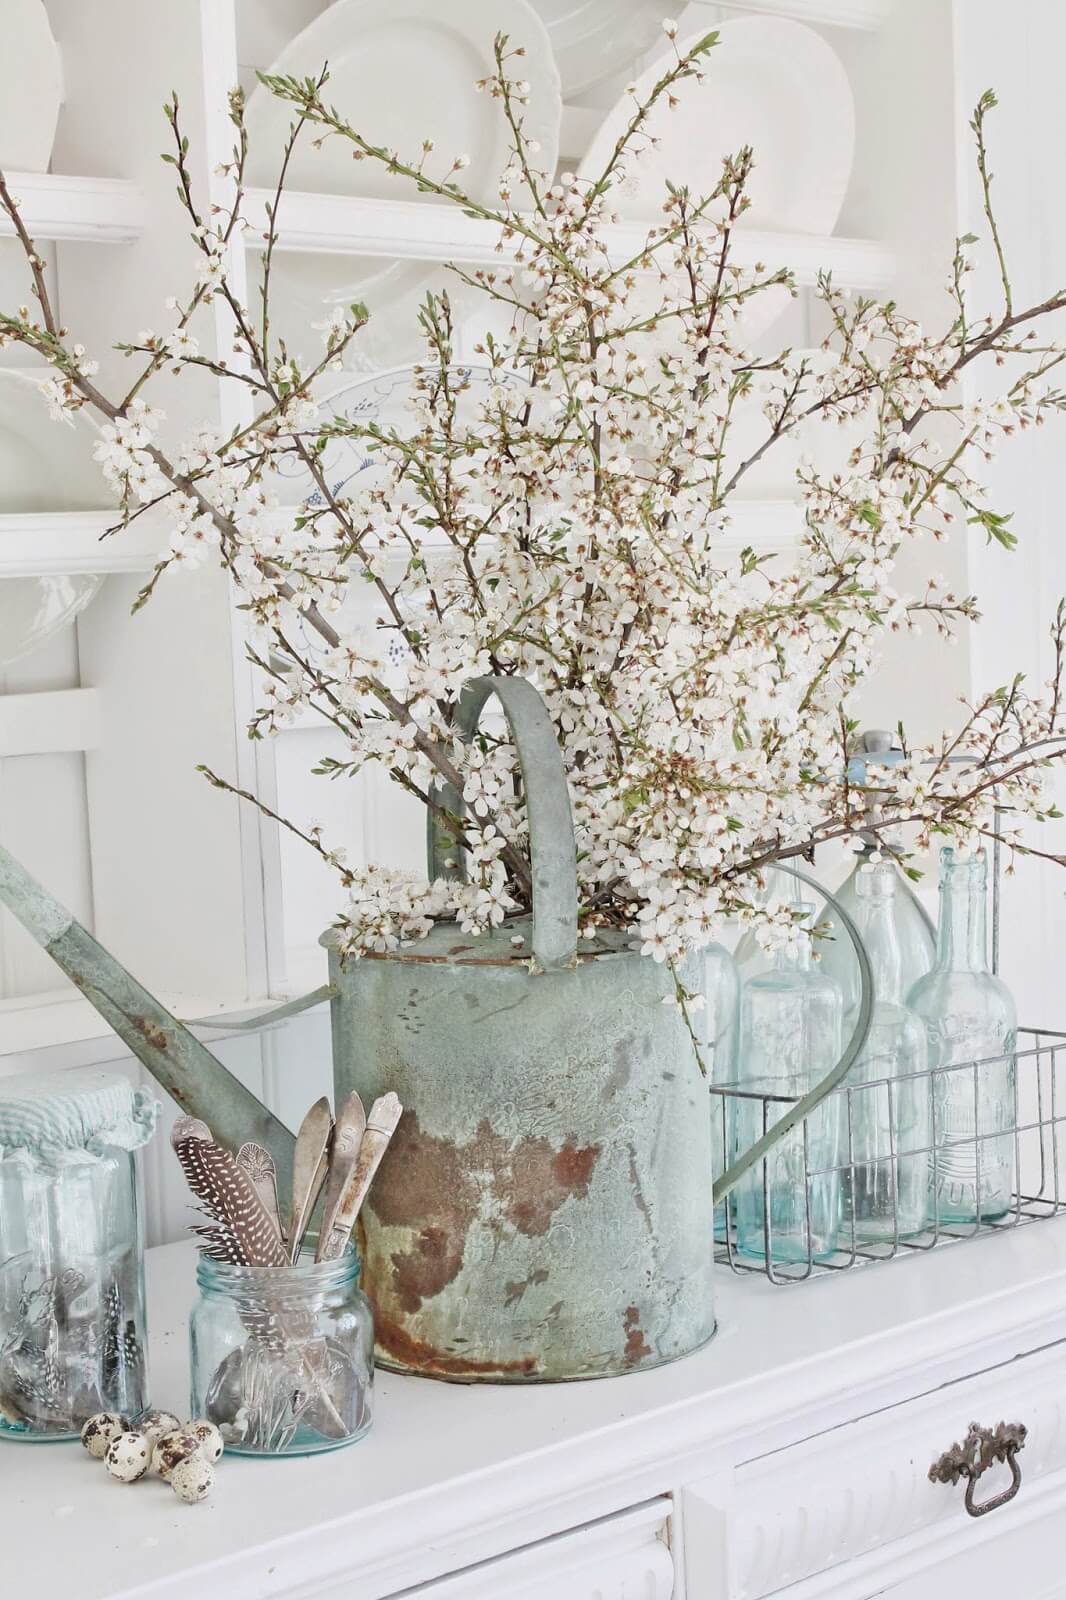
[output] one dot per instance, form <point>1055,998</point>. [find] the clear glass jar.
<point>282,1358</point>
<point>72,1318</point>
<point>971,1027</point>
<point>788,1204</point>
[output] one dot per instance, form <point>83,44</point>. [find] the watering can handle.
<point>803,1108</point>
<point>553,854</point>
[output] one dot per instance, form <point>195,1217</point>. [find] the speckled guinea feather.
<point>243,1232</point>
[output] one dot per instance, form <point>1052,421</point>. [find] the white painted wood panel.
<point>43,813</point>
<point>49,721</point>
<point>861,1487</point>
<point>621,1558</point>
<point>75,541</point>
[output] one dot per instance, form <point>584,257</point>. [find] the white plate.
<point>33,609</point>
<point>401,71</point>
<point>33,87</point>
<point>384,399</point>
<point>770,83</point>
<point>594,38</point>
<point>44,466</point>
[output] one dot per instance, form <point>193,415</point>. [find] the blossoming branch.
<point>562,517</point>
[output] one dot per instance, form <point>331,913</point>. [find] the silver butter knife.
<point>309,1164</point>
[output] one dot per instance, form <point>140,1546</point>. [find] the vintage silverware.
<point>381,1122</point>
<point>309,1164</point>
<point>258,1163</point>
<point>348,1131</point>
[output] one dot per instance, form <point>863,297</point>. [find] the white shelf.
<point>93,210</point>
<point>56,1019</point>
<point>868,15</point>
<point>331,224</point>
<point>73,542</point>
<point>49,722</point>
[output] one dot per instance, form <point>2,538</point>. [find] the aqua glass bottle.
<point>887,1111</point>
<point>781,889</point>
<point>716,1029</point>
<point>788,1205</point>
<point>971,1027</point>
<point>913,932</point>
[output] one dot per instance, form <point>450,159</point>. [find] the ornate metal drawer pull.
<point>977,1452</point>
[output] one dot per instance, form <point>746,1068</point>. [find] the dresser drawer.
<point>626,1557</point>
<point>865,1484</point>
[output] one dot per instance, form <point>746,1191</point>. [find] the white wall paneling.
<point>169,877</point>
<point>1018,591</point>
<point>49,721</point>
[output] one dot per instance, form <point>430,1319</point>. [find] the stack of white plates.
<point>403,71</point>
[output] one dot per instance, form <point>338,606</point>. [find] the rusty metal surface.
<point>545,1212</point>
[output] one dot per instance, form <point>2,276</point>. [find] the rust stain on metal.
<point>637,1348</point>
<point>513,1291</point>
<point>543,1179</point>
<point>151,1033</point>
<point>434,1261</point>
<point>417,1356</point>
<point>424,1187</point>
<point>432,1191</point>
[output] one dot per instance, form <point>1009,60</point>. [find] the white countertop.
<point>449,1473</point>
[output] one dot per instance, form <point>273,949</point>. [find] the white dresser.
<point>790,1456</point>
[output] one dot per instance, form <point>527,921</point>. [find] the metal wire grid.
<point>1035,1131</point>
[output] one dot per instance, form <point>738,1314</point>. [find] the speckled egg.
<point>192,1480</point>
<point>172,1449</point>
<point>154,1424</point>
<point>211,1441</point>
<point>99,1431</point>
<point>128,1456</point>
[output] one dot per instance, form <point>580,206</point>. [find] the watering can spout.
<point>177,1060</point>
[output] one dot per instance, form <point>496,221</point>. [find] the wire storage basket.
<point>850,1202</point>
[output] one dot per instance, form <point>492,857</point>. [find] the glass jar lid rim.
<point>306,1275</point>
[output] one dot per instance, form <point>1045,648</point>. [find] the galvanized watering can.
<point>545,1209</point>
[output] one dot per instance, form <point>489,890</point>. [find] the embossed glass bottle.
<point>790,1036</point>
<point>888,1112</point>
<point>971,1027</point>
<point>912,929</point>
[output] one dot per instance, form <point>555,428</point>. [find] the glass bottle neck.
<point>877,929</point>
<point>961,939</point>
<point>794,959</point>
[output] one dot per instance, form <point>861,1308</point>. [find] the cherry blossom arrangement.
<point>565,522</point>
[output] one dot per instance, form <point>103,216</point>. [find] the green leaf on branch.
<point>995,525</point>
